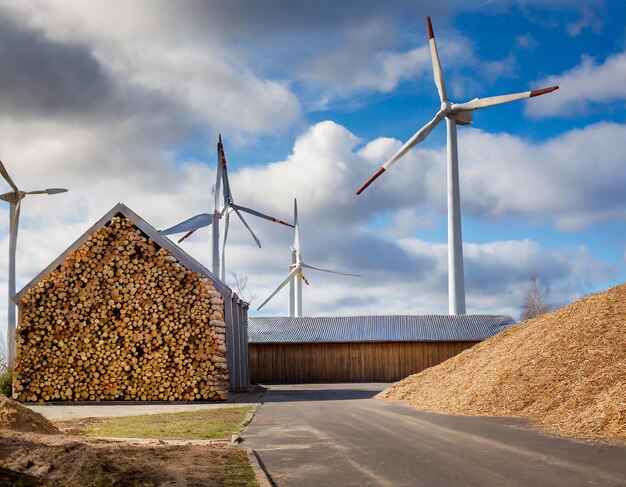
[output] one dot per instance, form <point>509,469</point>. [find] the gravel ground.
<point>60,412</point>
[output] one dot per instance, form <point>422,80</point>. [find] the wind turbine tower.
<point>296,276</point>
<point>14,198</point>
<point>205,219</point>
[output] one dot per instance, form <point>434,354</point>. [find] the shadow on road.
<point>321,392</point>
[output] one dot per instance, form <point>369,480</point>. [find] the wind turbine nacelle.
<point>463,117</point>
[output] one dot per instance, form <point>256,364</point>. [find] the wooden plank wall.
<point>282,363</point>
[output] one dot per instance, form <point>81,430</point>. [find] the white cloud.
<point>109,93</point>
<point>346,71</point>
<point>362,68</point>
<point>408,221</point>
<point>526,41</point>
<point>497,273</point>
<point>588,20</point>
<point>132,56</point>
<point>574,179</point>
<point>246,60</point>
<point>561,181</point>
<point>401,274</point>
<point>209,89</point>
<point>586,86</point>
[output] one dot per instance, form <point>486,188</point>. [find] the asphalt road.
<point>335,435</point>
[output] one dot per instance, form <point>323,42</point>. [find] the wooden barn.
<point>126,314</point>
<point>360,348</point>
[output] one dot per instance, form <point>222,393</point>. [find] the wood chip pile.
<point>565,371</point>
<point>121,319</point>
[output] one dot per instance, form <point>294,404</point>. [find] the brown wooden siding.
<point>300,363</point>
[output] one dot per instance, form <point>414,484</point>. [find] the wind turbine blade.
<point>226,225</point>
<point>48,191</point>
<point>261,215</point>
<point>226,191</point>
<point>247,226</point>
<point>282,285</point>
<point>437,71</point>
<point>188,234</point>
<point>296,233</point>
<point>327,270</point>
<point>6,176</point>
<point>478,103</point>
<point>303,277</point>
<point>222,160</point>
<point>218,179</point>
<point>190,225</point>
<point>420,135</point>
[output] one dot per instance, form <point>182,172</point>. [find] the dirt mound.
<point>9,478</point>
<point>61,460</point>
<point>15,417</point>
<point>565,371</point>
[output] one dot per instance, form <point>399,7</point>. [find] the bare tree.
<point>241,285</point>
<point>536,300</point>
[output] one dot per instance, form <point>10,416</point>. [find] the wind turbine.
<point>461,114</point>
<point>296,276</point>
<point>14,198</point>
<point>205,219</point>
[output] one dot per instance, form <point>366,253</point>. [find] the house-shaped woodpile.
<point>125,314</point>
<point>360,348</point>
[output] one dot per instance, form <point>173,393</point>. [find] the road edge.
<point>262,475</point>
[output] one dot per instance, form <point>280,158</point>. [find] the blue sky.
<point>123,101</point>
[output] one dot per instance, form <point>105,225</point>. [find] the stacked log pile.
<point>121,319</point>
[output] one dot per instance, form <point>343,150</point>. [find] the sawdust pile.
<point>565,371</point>
<point>15,417</point>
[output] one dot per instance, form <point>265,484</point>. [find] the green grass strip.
<point>204,424</point>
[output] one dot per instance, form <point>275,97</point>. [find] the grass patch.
<point>6,381</point>
<point>239,471</point>
<point>205,424</point>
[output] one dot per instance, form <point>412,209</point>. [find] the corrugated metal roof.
<point>376,328</point>
<point>183,257</point>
